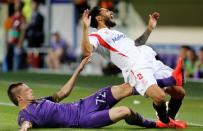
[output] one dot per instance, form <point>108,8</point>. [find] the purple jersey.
<point>88,112</point>
<point>46,113</point>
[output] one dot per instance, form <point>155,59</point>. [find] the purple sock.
<point>170,81</point>
<point>138,120</point>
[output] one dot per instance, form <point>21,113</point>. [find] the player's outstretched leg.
<point>121,91</point>
<point>130,117</point>
<point>107,117</point>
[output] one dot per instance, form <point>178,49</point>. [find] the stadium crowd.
<point>193,62</point>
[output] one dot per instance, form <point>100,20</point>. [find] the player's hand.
<point>86,19</point>
<point>24,129</point>
<point>84,62</point>
<point>153,18</point>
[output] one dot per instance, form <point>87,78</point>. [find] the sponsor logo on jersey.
<point>118,37</point>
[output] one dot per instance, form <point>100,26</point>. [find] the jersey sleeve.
<point>53,98</point>
<point>98,48</point>
<point>93,41</point>
<point>23,118</point>
<point>50,98</point>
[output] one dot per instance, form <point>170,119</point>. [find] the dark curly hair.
<point>94,13</point>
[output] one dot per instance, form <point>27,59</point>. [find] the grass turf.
<point>47,84</point>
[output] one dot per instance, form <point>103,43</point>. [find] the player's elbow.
<point>160,98</point>
<point>86,54</point>
<point>61,95</point>
<point>124,111</point>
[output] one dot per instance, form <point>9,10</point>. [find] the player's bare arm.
<point>151,25</point>
<point>25,126</point>
<point>67,88</point>
<point>87,48</point>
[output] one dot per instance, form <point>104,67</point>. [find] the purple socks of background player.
<point>138,120</point>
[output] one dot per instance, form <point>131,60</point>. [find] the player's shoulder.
<point>116,31</point>
<point>23,115</point>
<point>93,33</point>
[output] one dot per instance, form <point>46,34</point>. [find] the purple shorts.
<point>94,110</point>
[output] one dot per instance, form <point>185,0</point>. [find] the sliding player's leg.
<point>121,91</point>
<point>108,117</point>
<point>98,104</point>
<point>130,117</point>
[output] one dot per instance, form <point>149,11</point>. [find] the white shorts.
<point>143,78</point>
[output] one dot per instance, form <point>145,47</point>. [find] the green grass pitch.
<point>47,84</point>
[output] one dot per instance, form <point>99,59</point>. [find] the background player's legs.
<point>177,94</point>
<point>130,117</point>
<point>158,97</point>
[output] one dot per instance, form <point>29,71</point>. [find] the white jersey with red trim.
<point>138,63</point>
<point>120,49</point>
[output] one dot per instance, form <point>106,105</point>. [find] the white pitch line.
<point>193,98</point>
<point>6,104</point>
<point>194,124</point>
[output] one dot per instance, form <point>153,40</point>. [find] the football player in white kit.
<point>136,60</point>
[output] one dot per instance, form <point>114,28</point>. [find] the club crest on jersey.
<point>118,37</point>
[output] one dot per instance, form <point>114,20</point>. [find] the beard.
<point>109,23</point>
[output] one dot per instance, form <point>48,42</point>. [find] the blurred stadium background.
<point>180,27</point>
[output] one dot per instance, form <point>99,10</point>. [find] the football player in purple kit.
<point>91,112</point>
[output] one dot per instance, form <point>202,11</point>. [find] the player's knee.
<point>181,94</point>
<point>160,98</point>
<point>124,111</point>
<point>128,90</point>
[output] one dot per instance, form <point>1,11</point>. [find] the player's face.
<point>190,55</point>
<point>201,55</point>
<point>25,93</point>
<point>108,17</point>
<point>183,52</point>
